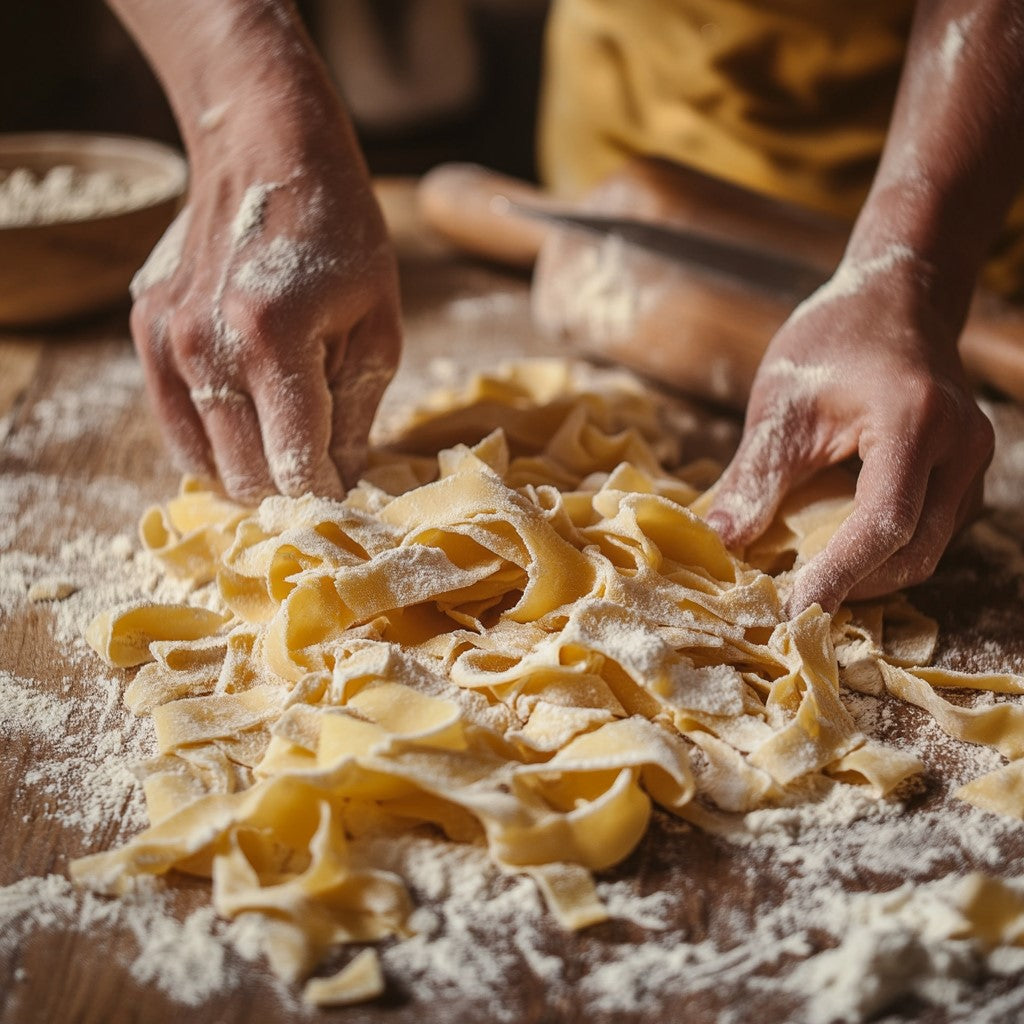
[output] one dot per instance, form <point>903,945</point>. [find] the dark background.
<point>67,65</point>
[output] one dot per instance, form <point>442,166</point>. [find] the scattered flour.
<point>185,959</point>
<point>597,293</point>
<point>471,308</point>
<point>843,885</point>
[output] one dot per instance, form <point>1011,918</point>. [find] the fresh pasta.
<point>526,639</point>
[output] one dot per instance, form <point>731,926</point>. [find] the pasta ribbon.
<point>526,639</point>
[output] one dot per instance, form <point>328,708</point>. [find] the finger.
<point>180,424</point>
<point>917,560</point>
<point>294,412</point>
<point>887,507</point>
<point>983,448</point>
<point>973,503</point>
<point>232,426</point>
<point>370,358</point>
<point>773,455</point>
<point>954,499</point>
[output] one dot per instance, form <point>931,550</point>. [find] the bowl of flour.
<point>79,214</point>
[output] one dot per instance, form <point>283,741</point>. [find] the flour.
<point>800,380</point>
<point>70,743</point>
<point>74,738</point>
<point>472,308</point>
<point>186,959</point>
<point>597,294</point>
<point>66,194</point>
<point>213,117</point>
<point>251,213</point>
<point>811,942</point>
<point>953,42</point>
<point>72,415</point>
<point>872,968</point>
<point>208,394</point>
<point>280,266</point>
<point>852,276</point>
<point>27,711</point>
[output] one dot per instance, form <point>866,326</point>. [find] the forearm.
<point>955,150</point>
<point>247,66</point>
<point>268,327</point>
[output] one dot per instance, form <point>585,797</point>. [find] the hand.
<point>267,318</point>
<point>864,367</point>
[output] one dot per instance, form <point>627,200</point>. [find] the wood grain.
<point>472,317</point>
<point>19,360</point>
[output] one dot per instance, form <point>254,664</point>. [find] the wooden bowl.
<point>63,270</point>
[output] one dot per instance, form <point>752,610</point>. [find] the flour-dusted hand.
<point>269,337</point>
<point>267,318</point>
<point>864,369</point>
<point>868,365</point>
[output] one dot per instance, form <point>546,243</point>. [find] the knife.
<point>771,273</point>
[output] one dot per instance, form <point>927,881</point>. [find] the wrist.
<point>903,233</point>
<point>248,71</point>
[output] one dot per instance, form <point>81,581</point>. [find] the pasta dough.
<point>527,641</point>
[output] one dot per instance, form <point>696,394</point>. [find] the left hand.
<point>864,367</point>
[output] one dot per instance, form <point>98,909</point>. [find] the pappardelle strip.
<point>525,641</point>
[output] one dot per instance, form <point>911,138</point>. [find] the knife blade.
<point>770,273</point>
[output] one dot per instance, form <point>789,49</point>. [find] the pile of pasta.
<point>526,641</point>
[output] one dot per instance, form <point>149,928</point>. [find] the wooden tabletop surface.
<point>71,467</point>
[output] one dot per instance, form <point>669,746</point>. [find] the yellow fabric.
<point>785,97</point>
<point>790,98</point>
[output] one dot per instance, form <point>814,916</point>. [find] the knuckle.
<point>148,327</point>
<point>190,335</point>
<point>931,410</point>
<point>254,316</point>
<point>387,347</point>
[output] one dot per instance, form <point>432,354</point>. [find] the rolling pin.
<point>706,334</point>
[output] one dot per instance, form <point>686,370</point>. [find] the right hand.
<point>267,318</point>
<point>868,367</point>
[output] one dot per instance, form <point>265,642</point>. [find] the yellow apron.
<point>786,97</point>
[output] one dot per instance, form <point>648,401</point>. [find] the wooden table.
<point>81,456</point>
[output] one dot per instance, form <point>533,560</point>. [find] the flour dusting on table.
<point>852,879</point>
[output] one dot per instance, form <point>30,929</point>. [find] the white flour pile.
<point>68,194</point>
<point>840,917</point>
